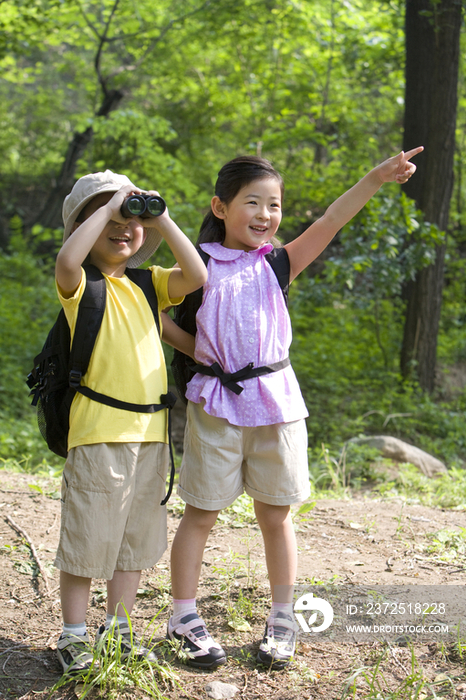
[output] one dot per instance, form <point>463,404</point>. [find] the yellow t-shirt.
<point>127,363</point>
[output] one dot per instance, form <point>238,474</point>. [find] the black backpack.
<point>184,367</point>
<point>59,368</point>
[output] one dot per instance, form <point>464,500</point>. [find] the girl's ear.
<point>218,207</point>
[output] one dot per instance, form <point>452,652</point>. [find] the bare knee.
<point>196,518</point>
<point>271,517</point>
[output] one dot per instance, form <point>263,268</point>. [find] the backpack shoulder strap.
<point>91,312</point>
<point>205,256</point>
<point>143,278</point>
<point>280,264</point>
<point>88,322</point>
<point>185,318</point>
<point>185,313</point>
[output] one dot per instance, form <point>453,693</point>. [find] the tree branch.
<point>24,534</point>
<point>102,41</point>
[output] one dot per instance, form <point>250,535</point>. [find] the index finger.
<point>413,152</point>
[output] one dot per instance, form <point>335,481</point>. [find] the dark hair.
<point>235,175</point>
<point>80,216</point>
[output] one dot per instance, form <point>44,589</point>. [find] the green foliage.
<point>22,23</point>
<point>382,248</point>
<point>302,83</point>
<point>337,472</point>
<point>22,447</point>
<point>347,334</point>
<point>340,365</point>
<point>451,348</point>
<point>240,513</point>
<point>374,683</point>
<point>445,491</point>
<point>111,674</point>
<point>347,337</point>
<point>28,306</point>
<point>448,544</point>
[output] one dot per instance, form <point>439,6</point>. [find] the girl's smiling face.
<point>253,216</point>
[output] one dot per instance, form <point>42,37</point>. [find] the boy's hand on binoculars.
<point>117,200</point>
<point>154,220</point>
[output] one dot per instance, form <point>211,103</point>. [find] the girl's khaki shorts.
<point>221,460</point>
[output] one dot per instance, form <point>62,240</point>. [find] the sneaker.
<point>279,642</point>
<point>74,653</point>
<point>196,642</point>
<point>130,646</point>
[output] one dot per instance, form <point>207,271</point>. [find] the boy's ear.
<point>218,207</point>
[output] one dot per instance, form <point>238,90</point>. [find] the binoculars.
<point>143,205</point>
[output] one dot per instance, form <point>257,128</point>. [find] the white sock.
<point>119,621</point>
<point>79,629</point>
<point>286,608</point>
<point>181,608</point>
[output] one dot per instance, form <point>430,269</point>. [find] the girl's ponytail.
<point>212,229</point>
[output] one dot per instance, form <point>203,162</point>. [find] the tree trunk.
<point>50,215</point>
<point>432,31</point>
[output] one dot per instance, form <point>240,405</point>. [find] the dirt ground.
<point>356,542</point>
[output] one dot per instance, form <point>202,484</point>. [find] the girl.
<point>249,435</point>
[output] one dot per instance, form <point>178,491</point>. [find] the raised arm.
<point>191,272</point>
<point>310,244</point>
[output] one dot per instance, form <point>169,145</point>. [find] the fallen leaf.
<point>240,625</point>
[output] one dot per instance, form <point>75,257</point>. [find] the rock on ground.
<point>400,451</point>
<point>221,691</point>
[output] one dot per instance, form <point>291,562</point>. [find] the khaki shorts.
<point>111,517</point>
<point>221,460</point>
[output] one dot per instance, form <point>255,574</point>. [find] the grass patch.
<point>341,474</point>
<point>110,673</point>
<point>447,490</point>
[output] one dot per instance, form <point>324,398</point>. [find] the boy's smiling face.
<point>119,241</point>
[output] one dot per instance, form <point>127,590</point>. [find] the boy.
<point>114,478</point>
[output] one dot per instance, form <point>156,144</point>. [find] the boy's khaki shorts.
<point>221,460</point>
<point>111,517</point>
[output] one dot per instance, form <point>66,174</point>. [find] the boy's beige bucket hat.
<point>88,187</point>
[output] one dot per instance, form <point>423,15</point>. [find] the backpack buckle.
<point>31,380</point>
<point>75,378</point>
<point>168,400</point>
